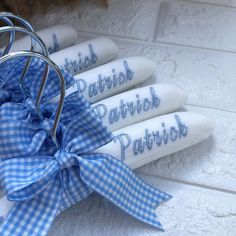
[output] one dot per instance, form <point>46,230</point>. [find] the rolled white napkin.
<point>111,78</point>
<point>139,104</point>
<point>86,55</point>
<point>141,143</point>
<point>53,38</point>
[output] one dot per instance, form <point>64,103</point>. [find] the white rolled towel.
<point>53,38</point>
<point>141,143</point>
<point>86,55</point>
<point>111,78</point>
<point>139,104</point>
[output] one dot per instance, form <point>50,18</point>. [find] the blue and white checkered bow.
<point>43,181</point>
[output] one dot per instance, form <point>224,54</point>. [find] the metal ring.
<point>11,37</point>
<point>22,21</point>
<point>26,31</point>
<point>58,72</point>
<point>28,26</point>
<point>45,52</point>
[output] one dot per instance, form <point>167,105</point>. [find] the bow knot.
<point>31,107</point>
<point>46,125</point>
<point>64,159</point>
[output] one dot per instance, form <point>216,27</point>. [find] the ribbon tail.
<point>33,217</point>
<point>115,181</point>
<point>74,189</point>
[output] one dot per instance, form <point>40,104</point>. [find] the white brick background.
<point>194,46</point>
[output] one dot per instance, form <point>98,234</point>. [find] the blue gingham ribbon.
<point>35,135</point>
<point>43,181</point>
<point>10,72</point>
<point>44,185</point>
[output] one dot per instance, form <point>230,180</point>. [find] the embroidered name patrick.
<point>126,109</point>
<point>105,82</point>
<point>151,138</point>
<point>83,61</point>
<point>55,47</point>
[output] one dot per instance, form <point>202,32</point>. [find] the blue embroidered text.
<point>128,108</point>
<point>104,83</point>
<point>151,138</point>
<point>82,63</point>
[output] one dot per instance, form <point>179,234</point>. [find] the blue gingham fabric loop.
<point>20,136</point>
<point>27,111</point>
<point>20,139</point>
<point>5,95</point>
<point>24,111</point>
<point>74,105</point>
<point>64,159</point>
<point>9,80</point>
<point>30,106</point>
<point>47,126</point>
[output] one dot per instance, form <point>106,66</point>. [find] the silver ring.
<point>11,37</point>
<point>26,31</point>
<point>45,52</point>
<point>28,26</point>
<point>61,78</point>
<point>22,21</point>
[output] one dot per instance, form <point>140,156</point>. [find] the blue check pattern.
<point>10,72</point>
<point>43,180</point>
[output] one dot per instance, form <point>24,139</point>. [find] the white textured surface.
<point>193,45</point>
<point>211,163</point>
<point>192,211</point>
<point>206,74</point>
<point>197,25</point>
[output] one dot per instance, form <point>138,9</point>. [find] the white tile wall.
<point>192,211</point>
<point>228,3</point>
<point>210,163</point>
<point>133,19</point>
<point>198,25</point>
<point>205,74</point>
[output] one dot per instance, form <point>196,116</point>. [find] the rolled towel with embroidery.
<point>141,143</point>
<point>53,38</point>
<point>85,56</point>
<point>139,104</point>
<point>112,78</point>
